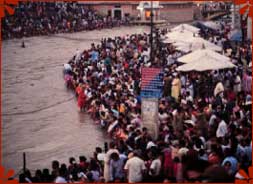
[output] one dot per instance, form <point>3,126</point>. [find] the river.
<point>39,115</point>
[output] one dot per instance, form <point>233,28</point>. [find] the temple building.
<point>145,8</point>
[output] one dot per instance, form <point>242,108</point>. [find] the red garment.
<point>178,172</point>
<point>78,90</point>
<point>140,48</point>
<point>168,164</point>
<point>231,96</point>
<point>175,169</point>
<point>126,65</point>
<point>81,100</point>
<point>86,55</point>
<point>213,158</point>
<point>121,135</point>
<point>83,165</point>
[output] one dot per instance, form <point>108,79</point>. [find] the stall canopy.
<point>186,27</point>
<point>195,43</point>
<point>210,25</point>
<point>187,41</point>
<point>177,36</point>
<point>204,59</point>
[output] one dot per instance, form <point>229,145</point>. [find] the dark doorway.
<point>117,14</point>
<point>109,13</point>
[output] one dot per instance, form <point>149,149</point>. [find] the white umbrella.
<point>205,65</point>
<point>186,27</point>
<point>200,54</point>
<point>195,43</point>
<point>202,60</point>
<point>177,36</point>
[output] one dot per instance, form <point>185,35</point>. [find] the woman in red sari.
<point>78,90</point>
<point>81,100</point>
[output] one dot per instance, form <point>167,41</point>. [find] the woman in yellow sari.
<point>176,87</point>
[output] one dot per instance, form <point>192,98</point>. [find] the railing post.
<point>24,162</point>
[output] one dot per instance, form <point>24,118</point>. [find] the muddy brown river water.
<point>39,116</point>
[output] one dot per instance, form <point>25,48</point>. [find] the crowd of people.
<point>215,6</point>
<point>44,18</point>
<point>206,8</point>
<point>204,118</point>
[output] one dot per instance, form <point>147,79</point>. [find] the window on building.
<point>146,4</point>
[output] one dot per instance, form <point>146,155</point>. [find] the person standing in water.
<point>23,44</point>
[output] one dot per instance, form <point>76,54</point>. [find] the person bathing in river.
<point>81,99</point>
<point>23,44</point>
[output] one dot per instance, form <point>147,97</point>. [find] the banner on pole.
<point>151,82</point>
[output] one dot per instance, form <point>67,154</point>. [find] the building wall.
<point>172,12</point>
<point>103,9</point>
<point>175,14</point>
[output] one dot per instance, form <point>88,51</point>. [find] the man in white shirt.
<point>222,128</point>
<point>237,84</point>
<point>60,178</point>
<point>135,168</point>
<point>155,168</point>
<point>67,67</point>
<point>107,161</point>
<point>212,120</point>
<point>78,55</point>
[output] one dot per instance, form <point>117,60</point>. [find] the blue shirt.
<point>94,56</point>
<point>117,169</point>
